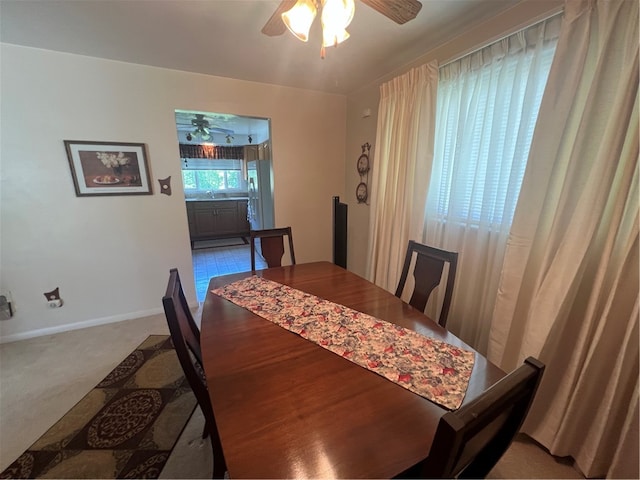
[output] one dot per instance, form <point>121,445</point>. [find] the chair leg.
<point>219,465</point>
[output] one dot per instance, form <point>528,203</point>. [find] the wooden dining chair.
<point>185,336</point>
<point>427,273</point>
<point>470,441</point>
<point>271,246</point>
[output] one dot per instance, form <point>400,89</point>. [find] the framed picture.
<point>108,168</point>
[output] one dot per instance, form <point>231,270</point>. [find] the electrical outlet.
<point>53,298</point>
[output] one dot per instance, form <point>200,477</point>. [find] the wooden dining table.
<point>287,408</point>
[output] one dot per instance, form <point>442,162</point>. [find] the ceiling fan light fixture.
<point>331,38</point>
<point>336,16</point>
<point>300,17</point>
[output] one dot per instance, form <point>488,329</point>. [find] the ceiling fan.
<point>400,11</point>
<point>202,129</point>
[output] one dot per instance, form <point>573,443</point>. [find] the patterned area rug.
<point>125,427</point>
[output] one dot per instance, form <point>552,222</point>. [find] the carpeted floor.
<point>126,427</point>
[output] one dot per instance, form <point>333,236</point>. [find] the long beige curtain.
<point>403,155</point>
<point>569,289</point>
<point>488,103</point>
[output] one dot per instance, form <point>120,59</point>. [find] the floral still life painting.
<point>108,168</point>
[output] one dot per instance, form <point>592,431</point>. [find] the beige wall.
<point>110,256</point>
<point>361,130</point>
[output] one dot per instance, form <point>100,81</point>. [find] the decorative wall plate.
<point>363,164</point>
<point>362,192</point>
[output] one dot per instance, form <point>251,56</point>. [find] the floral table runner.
<point>431,368</point>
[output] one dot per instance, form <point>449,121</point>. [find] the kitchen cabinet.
<point>210,219</point>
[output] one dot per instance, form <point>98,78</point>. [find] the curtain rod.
<point>557,11</point>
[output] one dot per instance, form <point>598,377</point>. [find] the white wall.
<point>361,130</point>
<point>110,256</point>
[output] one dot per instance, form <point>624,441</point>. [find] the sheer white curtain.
<point>403,154</point>
<point>487,108</point>
<point>569,292</point>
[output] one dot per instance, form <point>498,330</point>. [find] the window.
<point>212,179</point>
<point>212,175</point>
<point>486,114</point>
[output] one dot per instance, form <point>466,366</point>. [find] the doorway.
<point>227,177</point>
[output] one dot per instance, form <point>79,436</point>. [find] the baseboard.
<point>84,324</point>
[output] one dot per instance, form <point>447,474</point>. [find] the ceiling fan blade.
<point>275,26</point>
<point>400,11</point>
<point>191,128</point>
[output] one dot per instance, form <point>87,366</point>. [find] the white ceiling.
<point>223,38</point>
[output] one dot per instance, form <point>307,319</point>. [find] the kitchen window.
<point>212,175</point>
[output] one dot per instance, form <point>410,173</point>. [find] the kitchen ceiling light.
<point>202,133</point>
<point>336,17</point>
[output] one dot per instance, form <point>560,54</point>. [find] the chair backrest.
<point>428,274</point>
<point>271,245</point>
<point>185,336</point>
<point>470,441</point>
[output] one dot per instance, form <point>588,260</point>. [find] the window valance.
<point>211,152</point>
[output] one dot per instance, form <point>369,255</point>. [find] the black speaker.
<point>339,233</point>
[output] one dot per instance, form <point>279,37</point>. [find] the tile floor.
<point>212,262</point>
